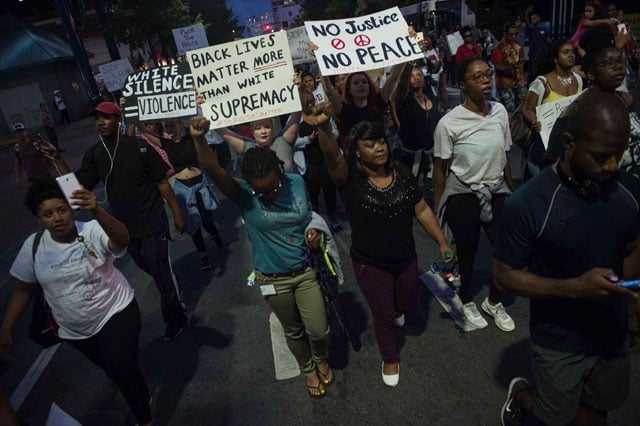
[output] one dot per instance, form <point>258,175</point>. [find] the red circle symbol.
<point>338,44</point>
<point>362,40</point>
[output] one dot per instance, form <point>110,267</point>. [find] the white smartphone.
<point>419,36</point>
<point>622,28</point>
<point>68,183</point>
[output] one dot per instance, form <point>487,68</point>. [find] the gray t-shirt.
<point>281,148</point>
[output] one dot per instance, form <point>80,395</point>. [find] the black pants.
<point>207,222</point>
<point>52,136</point>
<point>317,178</point>
<point>463,216</point>
<point>151,254</point>
<point>115,350</point>
<point>64,116</point>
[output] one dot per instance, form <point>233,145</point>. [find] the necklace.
<point>565,81</point>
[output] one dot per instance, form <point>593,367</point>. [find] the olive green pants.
<point>299,307</point>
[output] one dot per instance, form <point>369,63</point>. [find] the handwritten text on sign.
<point>190,38</point>
<point>245,80</point>
<point>115,73</point>
<point>364,43</point>
<point>299,46</point>
<point>160,93</point>
<point>548,113</point>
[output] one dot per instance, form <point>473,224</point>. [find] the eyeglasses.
<point>273,191</point>
<point>612,62</point>
<point>479,76</point>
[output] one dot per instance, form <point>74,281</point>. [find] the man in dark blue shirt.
<point>537,36</point>
<point>566,238</point>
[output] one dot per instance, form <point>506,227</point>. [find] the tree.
<point>148,23</point>
<point>220,20</point>
<point>339,9</point>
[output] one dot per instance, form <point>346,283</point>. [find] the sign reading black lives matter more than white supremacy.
<point>245,80</point>
<point>363,43</point>
<point>159,94</point>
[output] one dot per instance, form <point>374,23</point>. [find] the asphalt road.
<point>221,370</point>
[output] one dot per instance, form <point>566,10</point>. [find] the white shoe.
<point>399,321</point>
<point>391,379</point>
<point>472,317</point>
<point>502,319</point>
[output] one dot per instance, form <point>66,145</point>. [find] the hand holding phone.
<point>69,183</point>
<point>622,28</point>
<point>419,36</point>
<point>632,285</point>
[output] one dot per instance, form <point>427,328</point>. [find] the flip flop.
<point>320,389</point>
<point>326,379</point>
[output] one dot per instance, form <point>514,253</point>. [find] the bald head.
<point>596,111</point>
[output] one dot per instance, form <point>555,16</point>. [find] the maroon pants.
<point>388,292</point>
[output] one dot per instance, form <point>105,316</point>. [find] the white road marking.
<point>285,363</point>
<point>22,391</point>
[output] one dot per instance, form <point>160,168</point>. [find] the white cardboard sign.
<point>190,38</point>
<point>299,46</point>
<point>548,113</point>
<point>115,73</point>
<point>363,43</point>
<point>245,80</point>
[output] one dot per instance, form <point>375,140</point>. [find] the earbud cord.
<point>112,159</point>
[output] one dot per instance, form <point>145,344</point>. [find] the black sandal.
<point>326,379</point>
<point>320,389</point>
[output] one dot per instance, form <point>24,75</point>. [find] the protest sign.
<point>159,94</point>
<point>363,43</point>
<point>115,73</point>
<point>548,113</point>
<point>245,80</point>
<point>454,40</point>
<point>190,38</point>
<point>299,46</point>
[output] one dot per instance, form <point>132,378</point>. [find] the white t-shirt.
<point>477,145</point>
<point>83,291</point>
<point>432,56</point>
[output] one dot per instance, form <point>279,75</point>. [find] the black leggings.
<point>115,350</point>
<point>207,222</point>
<point>463,216</point>
<point>317,178</point>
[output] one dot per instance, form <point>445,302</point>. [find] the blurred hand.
<point>49,151</point>
<point>596,284</point>
<point>313,238</point>
<point>84,200</point>
<point>198,126</point>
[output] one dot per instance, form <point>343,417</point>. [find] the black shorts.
<point>562,381</point>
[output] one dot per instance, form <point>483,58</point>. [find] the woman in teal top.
<point>275,209</point>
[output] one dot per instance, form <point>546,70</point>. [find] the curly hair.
<point>259,162</point>
<point>546,60</point>
<point>42,190</point>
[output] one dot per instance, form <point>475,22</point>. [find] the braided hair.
<point>259,162</point>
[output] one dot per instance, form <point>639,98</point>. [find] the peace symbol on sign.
<point>362,40</point>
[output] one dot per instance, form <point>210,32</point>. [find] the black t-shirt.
<point>130,185</point>
<point>381,219</point>
<point>548,229</point>
<point>350,115</point>
<point>182,154</point>
<point>416,124</point>
<point>312,153</point>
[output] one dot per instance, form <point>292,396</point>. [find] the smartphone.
<point>68,183</point>
<point>622,28</point>
<point>419,36</point>
<point>633,285</point>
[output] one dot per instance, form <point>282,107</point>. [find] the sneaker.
<point>335,223</point>
<point>217,240</point>
<point>472,316</point>
<point>399,321</point>
<point>502,319</point>
<point>205,263</point>
<point>173,331</point>
<point>512,413</point>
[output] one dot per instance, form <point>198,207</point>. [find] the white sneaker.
<point>391,380</point>
<point>472,317</point>
<point>399,321</point>
<point>502,319</point>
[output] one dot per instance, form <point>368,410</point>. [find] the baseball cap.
<point>17,126</point>
<point>108,108</point>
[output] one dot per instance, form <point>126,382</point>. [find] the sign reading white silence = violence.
<point>159,94</point>
<point>245,80</point>
<point>363,43</point>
